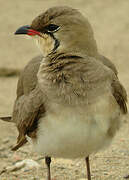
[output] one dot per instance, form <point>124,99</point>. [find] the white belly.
<point>74,132</point>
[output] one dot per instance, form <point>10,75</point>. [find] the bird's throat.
<point>45,43</point>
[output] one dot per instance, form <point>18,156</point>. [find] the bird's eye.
<point>52,28</point>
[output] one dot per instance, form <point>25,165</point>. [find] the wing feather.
<point>28,105</point>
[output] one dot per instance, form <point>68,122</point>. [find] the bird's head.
<point>61,29</point>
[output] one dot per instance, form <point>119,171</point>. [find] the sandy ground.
<point>110,21</point>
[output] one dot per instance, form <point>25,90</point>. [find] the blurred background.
<point>110,22</point>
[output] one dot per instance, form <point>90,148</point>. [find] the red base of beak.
<point>32,32</point>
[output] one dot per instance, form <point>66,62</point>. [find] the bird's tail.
<point>7,119</point>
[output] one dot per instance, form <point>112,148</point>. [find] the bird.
<point>70,101</point>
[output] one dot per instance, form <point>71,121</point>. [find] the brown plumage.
<point>71,94</point>
<point>26,121</point>
<point>27,83</point>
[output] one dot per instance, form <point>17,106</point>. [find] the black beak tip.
<point>22,30</point>
<point>17,32</point>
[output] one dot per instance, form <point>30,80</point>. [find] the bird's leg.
<point>88,168</point>
<point>48,161</point>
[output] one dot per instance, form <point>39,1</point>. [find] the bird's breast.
<point>72,132</point>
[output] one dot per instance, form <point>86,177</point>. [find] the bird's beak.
<point>27,30</point>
